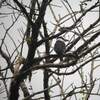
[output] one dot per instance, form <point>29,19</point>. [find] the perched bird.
<point>60,48</point>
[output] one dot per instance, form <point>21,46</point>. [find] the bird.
<point>60,48</point>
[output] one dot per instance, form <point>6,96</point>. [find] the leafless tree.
<point>29,30</point>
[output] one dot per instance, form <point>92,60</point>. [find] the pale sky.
<point>37,79</point>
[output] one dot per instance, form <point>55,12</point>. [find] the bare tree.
<point>56,38</point>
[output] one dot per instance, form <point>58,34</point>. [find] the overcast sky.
<point>37,78</point>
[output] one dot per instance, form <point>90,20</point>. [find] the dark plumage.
<point>59,48</point>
